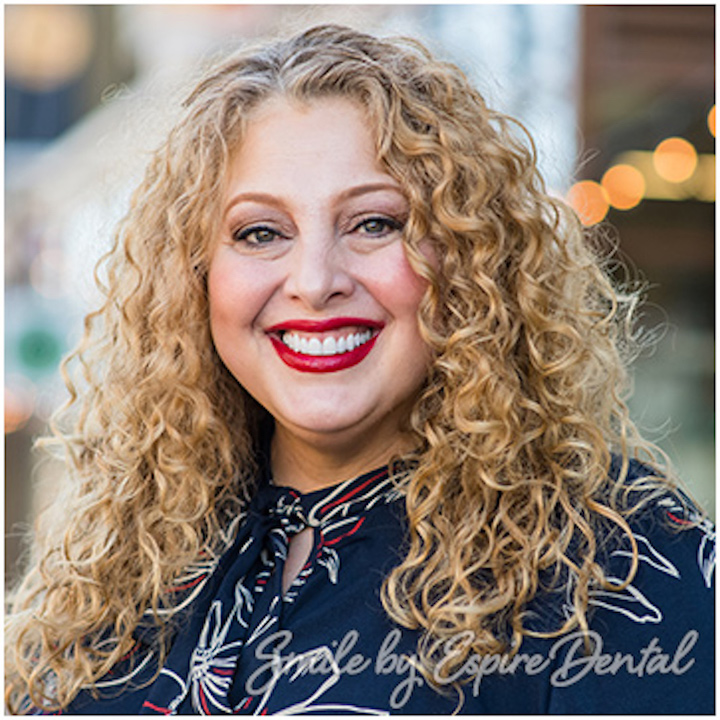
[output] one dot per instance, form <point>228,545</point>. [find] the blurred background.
<point>620,100</point>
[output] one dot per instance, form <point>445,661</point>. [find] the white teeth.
<point>329,346</point>
<point>314,347</point>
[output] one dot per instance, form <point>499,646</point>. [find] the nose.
<point>319,272</point>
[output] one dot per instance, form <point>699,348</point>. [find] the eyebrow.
<point>347,194</point>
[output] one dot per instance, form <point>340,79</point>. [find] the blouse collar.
<point>323,506</point>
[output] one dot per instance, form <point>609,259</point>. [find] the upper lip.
<point>324,324</point>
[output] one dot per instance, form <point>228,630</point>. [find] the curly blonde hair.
<point>516,425</point>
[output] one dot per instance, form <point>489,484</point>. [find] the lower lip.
<point>322,363</point>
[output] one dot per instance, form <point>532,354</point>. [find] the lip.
<point>324,324</point>
<point>322,363</point>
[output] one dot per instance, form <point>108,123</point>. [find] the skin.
<point>311,230</point>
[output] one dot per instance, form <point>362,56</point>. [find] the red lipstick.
<point>324,324</point>
<point>323,363</point>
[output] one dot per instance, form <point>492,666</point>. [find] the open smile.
<point>324,345</point>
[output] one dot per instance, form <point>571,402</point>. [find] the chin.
<point>324,425</point>
<point>325,422</point>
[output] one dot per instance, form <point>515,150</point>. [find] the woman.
<point>350,434</point>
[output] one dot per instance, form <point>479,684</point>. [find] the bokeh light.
<point>589,200</point>
<point>704,178</point>
<point>711,121</point>
<point>675,160</point>
<point>624,185</point>
<point>20,403</point>
<point>47,46</point>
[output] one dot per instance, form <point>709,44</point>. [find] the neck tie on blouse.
<point>198,672</point>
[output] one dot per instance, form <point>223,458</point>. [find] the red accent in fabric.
<point>347,534</point>
<point>223,671</point>
<point>162,711</point>
<point>186,586</point>
<point>680,521</point>
<point>347,496</point>
<point>202,700</point>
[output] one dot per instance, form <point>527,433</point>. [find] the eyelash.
<point>244,235</point>
<point>390,225</point>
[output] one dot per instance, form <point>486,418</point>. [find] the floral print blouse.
<point>326,646</point>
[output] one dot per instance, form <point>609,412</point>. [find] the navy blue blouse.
<point>326,646</point>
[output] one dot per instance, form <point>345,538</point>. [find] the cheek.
<point>221,293</point>
<point>234,300</point>
<point>401,288</point>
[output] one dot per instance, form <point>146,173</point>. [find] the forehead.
<point>321,141</point>
<point>278,106</point>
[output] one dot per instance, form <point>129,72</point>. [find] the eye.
<point>257,235</point>
<point>378,226</point>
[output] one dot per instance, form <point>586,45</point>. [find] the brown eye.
<point>257,235</point>
<point>378,226</point>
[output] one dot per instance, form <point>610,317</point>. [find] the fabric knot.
<point>288,511</point>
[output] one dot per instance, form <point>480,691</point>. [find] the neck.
<point>309,465</point>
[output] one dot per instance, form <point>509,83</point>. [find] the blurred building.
<point>90,90</point>
<point>648,104</point>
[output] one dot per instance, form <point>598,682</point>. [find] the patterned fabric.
<point>243,600</point>
<point>327,646</point>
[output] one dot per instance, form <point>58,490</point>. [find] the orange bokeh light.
<point>589,200</point>
<point>18,410</point>
<point>711,121</point>
<point>675,160</point>
<point>624,185</point>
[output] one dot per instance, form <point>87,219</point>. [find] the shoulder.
<point>674,539</point>
<point>652,623</point>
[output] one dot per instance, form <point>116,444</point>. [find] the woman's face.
<point>313,305</point>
